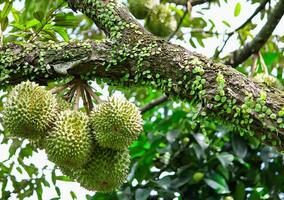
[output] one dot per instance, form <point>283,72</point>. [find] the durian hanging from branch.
<point>78,89</point>
<point>92,150</point>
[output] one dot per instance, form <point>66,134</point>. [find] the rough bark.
<point>133,56</point>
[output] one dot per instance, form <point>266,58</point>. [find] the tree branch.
<point>240,55</point>
<point>257,10</point>
<point>220,91</point>
<point>193,2</point>
<point>154,103</point>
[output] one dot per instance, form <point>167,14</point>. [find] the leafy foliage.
<point>179,155</point>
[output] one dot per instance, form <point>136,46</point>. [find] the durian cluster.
<point>158,17</point>
<point>92,150</point>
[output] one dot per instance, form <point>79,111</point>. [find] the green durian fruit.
<point>116,123</point>
<point>38,143</point>
<point>63,104</point>
<point>70,142</point>
<point>29,110</point>
<point>106,171</point>
<point>140,9</point>
<point>160,21</point>
<point>268,80</point>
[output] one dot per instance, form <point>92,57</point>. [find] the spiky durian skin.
<point>116,123</point>
<point>29,110</point>
<point>62,104</point>
<point>70,142</point>
<point>268,80</point>
<point>140,9</point>
<point>160,21</point>
<point>106,171</point>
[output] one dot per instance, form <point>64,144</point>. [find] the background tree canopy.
<point>183,152</point>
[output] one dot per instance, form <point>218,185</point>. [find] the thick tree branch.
<point>193,2</point>
<point>240,55</point>
<point>135,57</point>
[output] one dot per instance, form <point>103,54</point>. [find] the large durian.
<point>116,123</point>
<point>160,21</point>
<point>70,142</point>
<point>140,9</point>
<point>29,110</point>
<point>106,171</point>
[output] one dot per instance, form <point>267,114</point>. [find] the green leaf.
<point>63,178</point>
<point>4,23</point>
<point>73,195</point>
<point>225,159</point>
<point>192,43</point>
<point>218,183</point>
<point>6,10</point>
<point>237,9</point>
<point>62,32</point>
<point>39,15</point>
<point>57,191</point>
<point>226,23</point>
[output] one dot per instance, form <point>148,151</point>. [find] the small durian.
<point>106,171</point>
<point>70,142</point>
<point>29,110</point>
<point>116,123</point>
<point>160,21</point>
<point>268,80</point>
<point>140,9</point>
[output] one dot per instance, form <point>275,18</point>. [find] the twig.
<point>254,65</point>
<point>240,55</point>
<point>154,103</point>
<point>193,2</point>
<point>59,89</point>
<point>258,9</point>
<point>179,24</point>
<point>263,65</point>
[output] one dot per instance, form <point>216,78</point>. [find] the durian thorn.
<point>93,94</point>
<point>77,98</point>
<point>84,100</point>
<point>90,100</point>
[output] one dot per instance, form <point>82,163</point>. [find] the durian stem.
<point>84,100</point>
<point>70,94</point>
<point>77,98</point>
<point>93,94</point>
<point>59,89</point>
<point>90,100</point>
